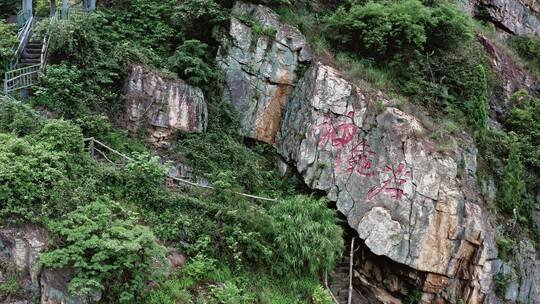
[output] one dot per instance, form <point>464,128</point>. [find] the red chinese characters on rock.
<point>339,136</point>
<point>393,185</point>
<point>361,159</point>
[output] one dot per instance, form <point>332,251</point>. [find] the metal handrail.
<point>20,78</point>
<point>23,36</point>
<point>92,147</point>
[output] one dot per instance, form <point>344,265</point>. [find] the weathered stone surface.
<point>513,77</point>
<point>22,245</point>
<point>408,202</point>
<point>523,274</point>
<point>517,17</point>
<point>261,70</point>
<point>166,105</point>
<point>176,258</point>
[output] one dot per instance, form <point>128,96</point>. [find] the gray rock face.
<point>407,202</point>
<point>166,105</point>
<point>522,275</point>
<point>22,246</point>
<point>519,17</point>
<point>261,68</point>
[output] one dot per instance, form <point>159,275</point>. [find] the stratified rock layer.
<point>166,105</point>
<point>261,67</point>
<point>520,17</point>
<point>517,17</point>
<point>407,202</point>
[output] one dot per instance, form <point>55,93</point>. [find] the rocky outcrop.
<point>512,76</point>
<point>519,280</point>
<point>261,59</point>
<point>21,246</point>
<point>418,211</point>
<point>516,17</point>
<point>54,288</point>
<point>407,202</point>
<point>519,17</point>
<point>165,105</point>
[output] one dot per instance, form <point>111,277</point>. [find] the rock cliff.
<point>516,17</point>
<point>261,61</point>
<point>418,211</point>
<point>164,105</point>
<point>407,202</point>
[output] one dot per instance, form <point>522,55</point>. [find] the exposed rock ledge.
<point>411,205</point>
<point>517,17</point>
<point>261,70</point>
<point>166,105</point>
<point>406,201</point>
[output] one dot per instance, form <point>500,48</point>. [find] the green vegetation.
<point>506,248</point>
<point>513,185</point>
<point>502,281</point>
<point>528,47</point>
<point>190,62</point>
<point>8,44</point>
<point>9,287</point>
<point>108,249</point>
<point>111,224</point>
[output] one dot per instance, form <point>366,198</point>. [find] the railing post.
<point>5,84</point>
<point>351,262</point>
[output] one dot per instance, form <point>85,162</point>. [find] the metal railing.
<point>24,34</point>
<point>98,149</point>
<point>24,77</point>
<point>21,78</point>
<point>69,14</point>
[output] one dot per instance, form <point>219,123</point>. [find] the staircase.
<point>340,280</point>
<point>32,53</point>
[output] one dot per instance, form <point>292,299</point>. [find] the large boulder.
<point>407,201</point>
<point>261,59</point>
<point>163,105</point>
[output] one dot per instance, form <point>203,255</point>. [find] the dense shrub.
<point>108,250</point>
<point>36,172</point>
<point>513,184</point>
<point>477,106</point>
<point>8,44</point>
<point>61,91</point>
<point>145,178</point>
<point>425,48</point>
<point>307,236</point>
<point>197,17</point>
<point>191,63</point>
<point>528,47</point>
<point>397,30</point>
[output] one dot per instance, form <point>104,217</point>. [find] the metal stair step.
<point>31,55</point>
